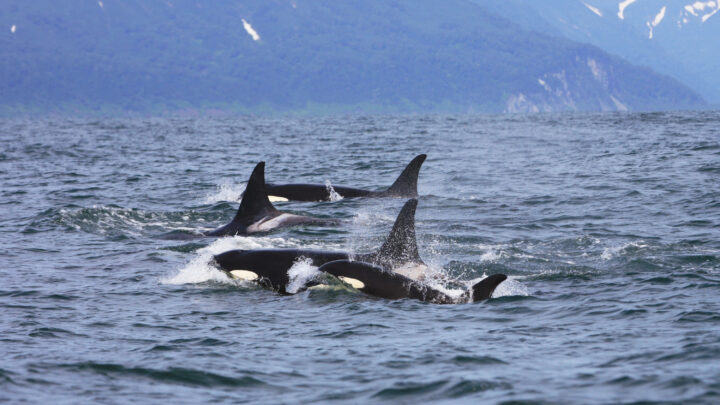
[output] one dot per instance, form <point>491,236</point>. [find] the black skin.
<point>317,192</point>
<point>386,284</point>
<point>272,265</point>
<point>405,186</point>
<point>255,208</point>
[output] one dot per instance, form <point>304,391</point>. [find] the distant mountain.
<point>152,56</point>
<point>679,38</point>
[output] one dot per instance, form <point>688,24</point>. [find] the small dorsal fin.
<point>255,201</point>
<point>401,245</point>
<point>485,288</point>
<point>406,184</point>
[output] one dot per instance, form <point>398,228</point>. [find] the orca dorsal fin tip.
<point>401,244</point>
<point>406,184</point>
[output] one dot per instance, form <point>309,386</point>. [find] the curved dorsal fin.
<point>485,288</point>
<point>406,184</point>
<point>255,201</point>
<point>400,247</point>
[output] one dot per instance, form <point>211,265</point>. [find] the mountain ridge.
<point>377,56</point>
<point>673,37</point>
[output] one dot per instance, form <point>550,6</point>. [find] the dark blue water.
<point>608,225</point>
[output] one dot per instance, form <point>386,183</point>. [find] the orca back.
<point>404,186</point>
<point>269,267</point>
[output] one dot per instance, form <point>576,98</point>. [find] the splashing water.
<point>225,192</point>
<point>610,252</point>
<point>301,272</point>
<point>510,287</point>
<point>334,195</point>
<point>200,268</point>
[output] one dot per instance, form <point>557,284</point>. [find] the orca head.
<point>230,260</point>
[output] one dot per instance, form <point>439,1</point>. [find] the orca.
<point>257,214</point>
<point>404,186</point>
<point>378,281</point>
<point>377,273</point>
<point>269,267</point>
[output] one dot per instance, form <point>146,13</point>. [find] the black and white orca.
<point>405,186</point>
<point>398,259</point>
<point>257,214</point>
<point>380,282</point>
<point>269,267</point>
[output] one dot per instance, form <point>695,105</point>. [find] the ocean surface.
<point>608,226</point>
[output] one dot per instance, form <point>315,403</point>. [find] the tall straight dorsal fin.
<point>255,201</point>
<point>406,184</point>
<point>401,245</point>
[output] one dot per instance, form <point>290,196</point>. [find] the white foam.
<point>200,269</point>
<point>492,253</point>
<point>491,256</point>
<point>610,252</point>
<point>103,219</point>
<point>511,287</point>
<point>226,192</point>
<point>455,294</point>
<point>301,272</point>
<point>371,218</point>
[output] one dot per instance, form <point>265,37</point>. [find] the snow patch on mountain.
<point>597,71</point>
<point>701,9</point>
<point>250,30</point>
<point>622,6</point>
<point>593,9</point>
<point>657,20</point>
